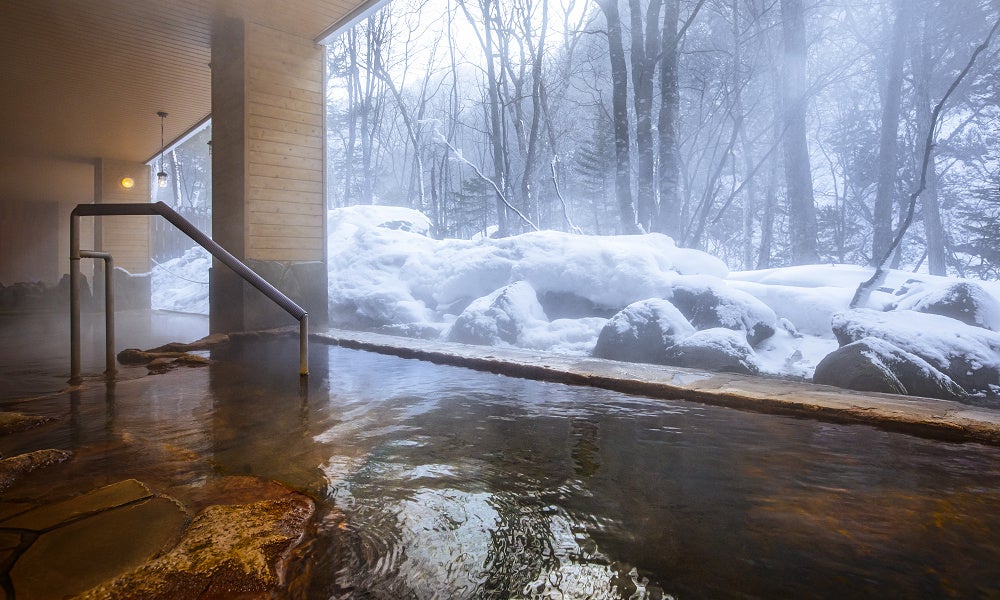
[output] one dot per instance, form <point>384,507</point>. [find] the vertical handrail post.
<point>74,298</point>
<point>109,316</point>
<point>304,345</point>
<point>109,308</point>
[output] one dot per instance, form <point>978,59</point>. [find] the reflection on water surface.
<point>461,484</point>
<point>464,484</point>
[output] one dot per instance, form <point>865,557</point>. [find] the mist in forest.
<point>766,132</point>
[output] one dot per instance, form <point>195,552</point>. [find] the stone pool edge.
<point>939,419</point>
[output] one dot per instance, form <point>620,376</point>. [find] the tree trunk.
<point>496,128</point>
<point>668,216</point>
<point>767,219</point>
<point>747,147</point>
<point>933,228</point>
<point>645,47</point>
<point>619,108</point>
<point>530,172</point>
<point>798,173</point>
<point>887,160</point>
<point>484,31</point>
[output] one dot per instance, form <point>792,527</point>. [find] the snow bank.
<point>808,308</point>
<point>848,277</point>
<point>379,275</point>
<point>387,274</point>
<point>181,284</point>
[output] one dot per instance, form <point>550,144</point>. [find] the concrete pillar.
<point>268,207</point>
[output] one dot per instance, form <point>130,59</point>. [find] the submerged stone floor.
<point>940,419</point>
<point>201,537</point>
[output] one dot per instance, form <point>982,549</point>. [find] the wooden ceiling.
<point>83,79</point>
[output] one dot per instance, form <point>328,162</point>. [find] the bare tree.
<point>668,216</point>
<point>864,290</point>
<point>798,173</point>
<point>887,161</point>
<point>619,109</point>
<point>501,181</point>
<point>645,50</point>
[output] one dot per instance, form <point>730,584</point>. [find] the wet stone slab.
<point>124,540</point>
<point>106,498</point>
<point>75,557</point>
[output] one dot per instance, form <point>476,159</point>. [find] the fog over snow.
<point>555,291</point>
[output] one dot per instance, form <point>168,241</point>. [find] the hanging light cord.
<point>163,117</point>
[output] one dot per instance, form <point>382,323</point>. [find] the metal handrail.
<point>161,209</point>
<point>109,309</point>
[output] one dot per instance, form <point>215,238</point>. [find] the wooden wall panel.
<point>125,237</point>
<point>284,115</point>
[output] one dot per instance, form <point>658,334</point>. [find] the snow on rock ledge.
<point>708,303</point>
<point>968,355</point>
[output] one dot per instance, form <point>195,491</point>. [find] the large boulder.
<point>964,301</point>
<point>707,305</point>
<point>874,365</point>
<point>567,305</point>
<point>642,332</point>
<point>969,355</point>
<point>499,317</point>
<point>717,349</point>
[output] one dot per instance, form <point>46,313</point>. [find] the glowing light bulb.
<point>128,183</point>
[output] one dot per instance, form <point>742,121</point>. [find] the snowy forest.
<point>765,132</point>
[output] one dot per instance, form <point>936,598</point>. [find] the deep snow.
<point>387,274</point>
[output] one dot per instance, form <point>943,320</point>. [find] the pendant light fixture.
<point>161,177</point>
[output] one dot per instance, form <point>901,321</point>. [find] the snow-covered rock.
<point>642,332</point>
<point>715,349</point>
<point>708,302</point>
<point>965,301</point>
<point>874,365</point>
<point>499,317</point>
<point>968,355</point>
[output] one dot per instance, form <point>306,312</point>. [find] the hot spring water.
<point>441,482</point>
